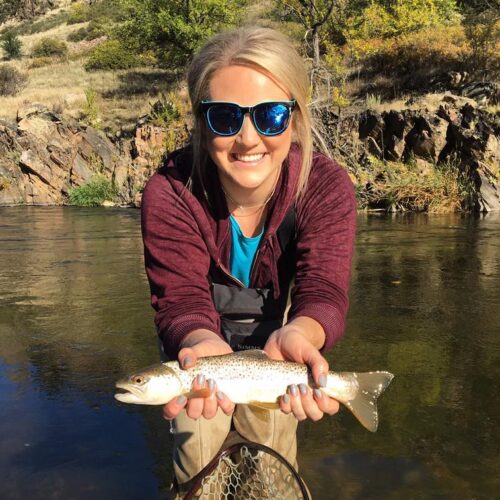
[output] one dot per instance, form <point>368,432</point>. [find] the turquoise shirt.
<point>243,252</point>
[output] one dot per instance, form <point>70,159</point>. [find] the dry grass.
<point>403,187</point>
<point>122,96</point>
<point>430,102</point>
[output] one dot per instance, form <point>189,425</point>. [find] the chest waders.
<point>249,315</point>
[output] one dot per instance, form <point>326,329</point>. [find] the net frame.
<point>224,464</point>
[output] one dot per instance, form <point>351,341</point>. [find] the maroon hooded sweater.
<point>186,237</point>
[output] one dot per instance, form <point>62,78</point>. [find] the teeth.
<point>249,158</point>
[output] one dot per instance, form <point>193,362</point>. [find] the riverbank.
<point>439,154</point>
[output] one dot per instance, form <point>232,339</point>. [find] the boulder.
<point>427,138</point>
<point>489,194</point>
<point>397,125</point>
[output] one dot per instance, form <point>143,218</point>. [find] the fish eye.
<point>139,379</point>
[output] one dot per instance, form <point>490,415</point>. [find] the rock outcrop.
<point>457,131</point>
<point>42,157</point>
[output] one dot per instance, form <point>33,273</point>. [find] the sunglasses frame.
<point>205,107</point>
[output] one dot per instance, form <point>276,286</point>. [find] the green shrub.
<point>12,81</point>
<point>12,45</point>
<point>78,13</point>
<point>174,30</point>
<point>93,193</point>
<point>49,47</point>
<point>111,55</point>
<point>388,19</point>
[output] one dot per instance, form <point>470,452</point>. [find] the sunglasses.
<point>268,118</point>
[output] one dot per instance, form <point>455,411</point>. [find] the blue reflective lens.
<point>225,120</point>
<point>269,118</point>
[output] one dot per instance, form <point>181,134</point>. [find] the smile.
<point>248,158</point>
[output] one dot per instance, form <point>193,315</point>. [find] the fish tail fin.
<point>364,405</point>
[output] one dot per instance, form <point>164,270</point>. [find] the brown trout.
<point>250,377</point>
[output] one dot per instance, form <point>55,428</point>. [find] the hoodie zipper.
<point>229,275</point>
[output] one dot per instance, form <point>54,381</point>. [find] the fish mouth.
<point>128,393</point>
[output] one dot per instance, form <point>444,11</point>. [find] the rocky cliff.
<point>453,130</point>
<point>43,156</point>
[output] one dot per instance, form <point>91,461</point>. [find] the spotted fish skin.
<point>250,377</point>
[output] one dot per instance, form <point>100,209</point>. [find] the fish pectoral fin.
<point>252,353</point>
<point>264,406</point>
<point>200,393</point>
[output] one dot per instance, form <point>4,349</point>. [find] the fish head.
<point>155,385</point>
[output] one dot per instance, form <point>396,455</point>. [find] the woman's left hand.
<point>290,344</point>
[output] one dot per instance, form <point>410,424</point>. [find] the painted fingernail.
<point>220,395</point>
<point>318,394</point>
<point>181,400</point>
<point>200,379</point>
<point>286,398</point>
<point>322,380</point>
<point>211,384</point>
<point>293,390</point>
<point>187,361</point>
<point>303,389</point>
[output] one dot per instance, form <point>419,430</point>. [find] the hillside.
<point>93,67</point>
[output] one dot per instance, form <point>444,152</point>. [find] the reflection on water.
<point>74,315</point>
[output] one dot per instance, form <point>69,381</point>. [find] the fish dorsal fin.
<point>252,353</point>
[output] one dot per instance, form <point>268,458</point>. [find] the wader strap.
<point>286,232</point>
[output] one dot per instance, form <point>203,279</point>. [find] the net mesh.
<point>250,474</point>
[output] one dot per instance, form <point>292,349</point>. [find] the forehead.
<point>245,85</point>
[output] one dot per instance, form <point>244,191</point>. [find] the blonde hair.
<point>268,51</point>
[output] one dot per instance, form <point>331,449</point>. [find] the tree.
<point>12,45</point>
<point>313,15</point>
<point>175,29</point>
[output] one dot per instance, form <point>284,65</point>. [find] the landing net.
<point>248,471</point>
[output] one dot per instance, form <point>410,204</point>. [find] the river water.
<point>75,315</point>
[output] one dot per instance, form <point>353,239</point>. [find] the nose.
<point>248,134</point>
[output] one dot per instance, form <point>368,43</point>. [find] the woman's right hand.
<point>198,344</point>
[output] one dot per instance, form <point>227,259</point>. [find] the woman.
<point>229,223</point>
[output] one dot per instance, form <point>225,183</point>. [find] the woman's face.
<point>247,160</point>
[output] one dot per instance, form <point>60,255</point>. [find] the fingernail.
<point>220,395</point>
<point>318,394</point>
<point>293,390</point>
<point>286,399</point>
<point>200,379</point>
<point>181,400</point>
<point>187,361</point>
<point>322,380</point>
<point>211,384</point>
<point>303,389</point>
